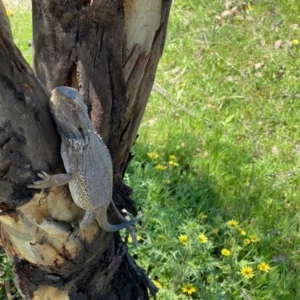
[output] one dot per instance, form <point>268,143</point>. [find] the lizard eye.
<point>73,106</point>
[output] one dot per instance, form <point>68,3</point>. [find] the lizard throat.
<point>78,140</point>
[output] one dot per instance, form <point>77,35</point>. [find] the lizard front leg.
<point>70,161</point>
<point>51,180</point>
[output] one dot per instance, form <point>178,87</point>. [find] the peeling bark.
<point>109,51</point>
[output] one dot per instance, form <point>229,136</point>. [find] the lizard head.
<point>71,116</point>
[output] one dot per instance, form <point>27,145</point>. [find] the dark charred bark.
<point>109,51</point>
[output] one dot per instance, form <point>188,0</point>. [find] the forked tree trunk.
<point>109,50</point>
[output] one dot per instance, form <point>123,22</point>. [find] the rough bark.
<point>109,50</point>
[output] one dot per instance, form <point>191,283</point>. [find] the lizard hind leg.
<point>88,218</point>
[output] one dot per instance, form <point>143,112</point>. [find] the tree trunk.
<point>109,51</point>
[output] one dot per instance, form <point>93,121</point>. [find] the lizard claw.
<point>43,175</point>
<point>41,184</point>
<point>75,233</point>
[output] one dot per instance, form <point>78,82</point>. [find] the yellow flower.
<point>188,289</point>
<point>160,167</point>
<point>202,238</point>
<point>153,155</point>
<point>9,13</point>
<point>183,239</point>
<point>254,238</point>
<point>233,223</point>
<point>138,238</point>
<point>216,231</point>
<point>264,267</point>
<point>249,7</point>
<point>247,272</point>
<point>295,42</point>
<point>157,284</point>
<point>173,163</point>
<point>225,252</point>
<point>247,242</point>
<point>241,231</point>
<point>203,216</point>
<point>173,157</point>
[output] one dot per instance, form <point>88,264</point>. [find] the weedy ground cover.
<point>216,166</point>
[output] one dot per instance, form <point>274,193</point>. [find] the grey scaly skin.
<point>86,160</point>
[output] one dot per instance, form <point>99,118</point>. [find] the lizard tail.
<point>103,222</point>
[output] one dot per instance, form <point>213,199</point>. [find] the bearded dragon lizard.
<point>87,162</point>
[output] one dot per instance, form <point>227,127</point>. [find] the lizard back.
<point>92,186</point>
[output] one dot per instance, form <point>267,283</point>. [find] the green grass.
<point>21,24</point>
<point>234,127</point>
<point>229,113</point>
<point>6,278</point>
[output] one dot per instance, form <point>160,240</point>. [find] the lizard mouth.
<point>81,131</point>
<point>83,134</point>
